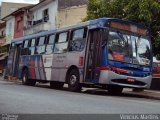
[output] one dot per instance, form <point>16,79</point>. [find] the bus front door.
<point>93,56</point>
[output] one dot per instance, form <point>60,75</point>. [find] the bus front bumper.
<point>110,77</point>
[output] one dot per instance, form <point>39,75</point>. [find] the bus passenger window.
<point>12,46</point>
<point>33,41</point>
<point>41,41</point>
<point>40,49</point>
<point>25,45</point>
<point>62,37</point>
<point>61,43</point>
<point>25,49</point>
<point>78,40</point>
<point>32,47</point>
<point>51,39</point>
<point>31,50</point>
<point>49,47</point>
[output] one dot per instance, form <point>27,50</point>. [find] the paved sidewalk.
<point>152,94</point>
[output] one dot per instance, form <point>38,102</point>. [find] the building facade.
<point>71,15</point>
<point>41,17</point>
<point>19,21</point>
<point>52,14</point>
<point>71,12</point>
<point>3,47</point>
<point>10,21</point>
<point>2,33</point>
<point>7,29</point>
<point>8,8</point>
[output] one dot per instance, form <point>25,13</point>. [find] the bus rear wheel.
<point>114,90</point>
<point>26,80</point>
<point>56,85</point>
<point>73,81</point>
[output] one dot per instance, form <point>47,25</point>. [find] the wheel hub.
<point>73,79</point>
<point>24,78</point>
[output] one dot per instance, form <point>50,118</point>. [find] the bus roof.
<point>96,23</point>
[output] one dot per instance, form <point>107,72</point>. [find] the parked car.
<point>156,68</point>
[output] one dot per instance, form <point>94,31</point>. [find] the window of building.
<point>10,27</point>
<point>18,25</point>
<point>46,15</point>
<point>61,42</point>
<point>3,33</point>
<point>12,9</point>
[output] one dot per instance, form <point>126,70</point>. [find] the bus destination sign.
<point>130,28</point>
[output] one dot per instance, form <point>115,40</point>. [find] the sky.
<point>21,1</point>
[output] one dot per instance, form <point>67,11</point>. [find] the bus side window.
<point>61,43</point>
<point>12,45</point>
<point>40,48</point>
<point>25,49</point>
<point>78,39</point>
<point>49,46</point>
<point>32,46</point>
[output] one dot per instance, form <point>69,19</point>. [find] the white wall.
<point>37,12</point>
<point>9,29</point>
<point>52,7</point>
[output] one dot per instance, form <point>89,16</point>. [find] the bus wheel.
<point>25,79</point>
<point>73,81</point>
<point>114,90</point>
<point>56,85</point>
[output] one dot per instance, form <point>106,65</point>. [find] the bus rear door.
<point>13,60</point>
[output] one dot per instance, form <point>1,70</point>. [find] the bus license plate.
<point>131,79</point>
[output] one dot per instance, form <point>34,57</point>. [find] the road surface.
<point>19,99</point>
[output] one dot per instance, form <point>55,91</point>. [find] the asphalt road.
<point>16,98</point>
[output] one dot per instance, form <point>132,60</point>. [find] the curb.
<point>146,93</point>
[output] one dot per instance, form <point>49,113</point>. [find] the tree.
<point>146,12</point>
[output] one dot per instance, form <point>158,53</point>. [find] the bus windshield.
<point>128,48</point>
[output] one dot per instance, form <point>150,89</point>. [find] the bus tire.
<point>56,85</point>
<point>73,81</point>
<point>26,80</point>
<point>114,90</point>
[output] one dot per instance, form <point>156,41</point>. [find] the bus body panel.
<point>58,66</point>
<point>62,63</point>
<point>48,61</point>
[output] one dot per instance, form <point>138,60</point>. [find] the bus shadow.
<point>102,92</point>
<point>124,94</point>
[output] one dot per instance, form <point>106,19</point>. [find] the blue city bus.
<point>105,52</point>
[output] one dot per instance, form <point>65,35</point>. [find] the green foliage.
<point>146,12</point>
